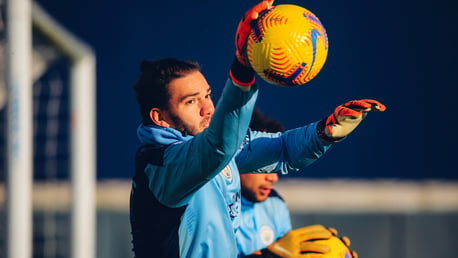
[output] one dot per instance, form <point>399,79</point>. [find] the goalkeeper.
<point>185,195</point>
<point>265,228</point>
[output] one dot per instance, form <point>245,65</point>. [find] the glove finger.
<point>360,105</point>
<point>375,105</point>
<point>346,111</point>
<point>333,231</point>
<point>346,240</point>
<point>314,235</point>
<point>353,254</point>
<point>240,39</point>
<point>308,229</point>
<point>253,13</point>
<point>311,247</point>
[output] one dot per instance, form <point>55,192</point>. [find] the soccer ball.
<point>287,45</point>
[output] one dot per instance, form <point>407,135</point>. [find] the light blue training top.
<point>198,178</point>
<point>262,223</point>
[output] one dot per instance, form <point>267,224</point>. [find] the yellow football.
<point>287,45</point>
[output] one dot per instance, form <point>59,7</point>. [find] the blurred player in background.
<point>265,216</point>
<point>185,196</point>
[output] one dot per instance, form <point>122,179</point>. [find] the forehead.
<point>191,84</point>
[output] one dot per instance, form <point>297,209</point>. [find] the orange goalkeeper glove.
<point>244,27</point>
<point>309,242</point>
<point>241,72</point>
<point>346,118</point>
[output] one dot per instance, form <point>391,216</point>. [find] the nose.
<point>272,177</point>
<point>207,107</point>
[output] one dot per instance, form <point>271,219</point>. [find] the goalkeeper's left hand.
<point>346,118</point>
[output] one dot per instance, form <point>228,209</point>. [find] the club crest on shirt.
<point>227,173</point>
<point>246,140</point>
<point>267,235</point>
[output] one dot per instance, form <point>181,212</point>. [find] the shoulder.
<point>150,154</point>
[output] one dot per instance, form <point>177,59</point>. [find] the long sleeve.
<point>281,152</point>
<point>188,165</point>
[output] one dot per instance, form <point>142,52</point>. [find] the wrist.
<point>323,134</point>
<point>240,74</point>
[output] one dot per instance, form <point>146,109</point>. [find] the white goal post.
<point>21,14</point>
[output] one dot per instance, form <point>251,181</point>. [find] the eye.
<point>191,101</point>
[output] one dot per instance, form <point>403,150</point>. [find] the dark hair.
<point>151,88</point>
<point>260,122</point>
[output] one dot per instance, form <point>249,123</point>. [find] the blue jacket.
<point>185,198</point>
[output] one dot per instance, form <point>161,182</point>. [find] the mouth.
<point>264,190</point>
<point>206,123</point>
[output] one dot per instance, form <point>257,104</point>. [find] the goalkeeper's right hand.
<point>241,72</point>
<point>244,27</point>
<point>297,243</point>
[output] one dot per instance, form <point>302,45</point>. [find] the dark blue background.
<point>401,52</point>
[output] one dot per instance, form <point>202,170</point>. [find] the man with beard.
<point>185,195</point>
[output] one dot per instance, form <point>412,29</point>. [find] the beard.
<point>180,126</point>
<point>250,196</point>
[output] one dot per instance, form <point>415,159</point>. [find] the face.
<point>257,187</point>
<point>190,104</point>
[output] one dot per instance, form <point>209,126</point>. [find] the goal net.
<point>63,108</point>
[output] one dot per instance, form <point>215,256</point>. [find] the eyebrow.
<point>193,94</point>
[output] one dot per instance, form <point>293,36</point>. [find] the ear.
<point>157,117</point>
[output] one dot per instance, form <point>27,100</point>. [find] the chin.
<point>261,198</point>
